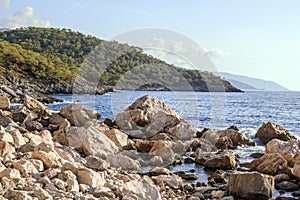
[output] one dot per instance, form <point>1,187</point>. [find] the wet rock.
<point>269,131</point>
<point>287,186</point>
<point>139,190</point>
<point>4,103</point>
<point>90,178</point>
<point>118,137</point>
<point>78,115</point>
<point>218,177</point>
<point>271,164</point>
<point>124,162</point>
<point>281,177</point>
<point>187,176</point>
<point>256,155</point>
<point>251,185</point>
<point>224,160</point>
<point>288,150</point>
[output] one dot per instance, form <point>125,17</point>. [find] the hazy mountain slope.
<point>259,84</point>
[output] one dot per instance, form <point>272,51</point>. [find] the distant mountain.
<point>4,29</point>
<point>249,83</point>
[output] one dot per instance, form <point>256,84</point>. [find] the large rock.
<point>117,136</point>
<point>32,104</point>
<point>251,185</point>
<point>10,173</point>
<point>237,138</point>
<point>124,162</point>
<point>95,142</point>
<point>272,164</point>
<point>269,131</point>
<point>147,117</point>
<point>6,149</point>
<point>164,150</point>
<point>90,178</point>
<point>139,190</point>
<point>78,115</point>
<point>287,149</point>
<point>4,103</point>
<point>224,160</point>
<point>25,167</point>
<point>173,181</point>
<point>296,168</point>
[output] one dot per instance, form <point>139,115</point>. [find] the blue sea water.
<point>215,110</point>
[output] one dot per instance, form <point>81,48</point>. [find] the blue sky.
<point>258,38</point>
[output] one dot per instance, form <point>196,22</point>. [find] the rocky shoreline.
<point>72,155</point>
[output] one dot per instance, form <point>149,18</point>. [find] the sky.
<point>257,38</point>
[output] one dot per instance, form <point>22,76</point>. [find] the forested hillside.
<point>56,55</point>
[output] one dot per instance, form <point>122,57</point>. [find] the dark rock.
<point>189,160</point>
<point>256,155</point>
<point>281,177</point>
<point>186,176</point>
<point>108,122</point>
<point>251,185</point>
<point>233,127</point>
<point>269,131</point>
<point>287,186</point>
<point>33,125</point>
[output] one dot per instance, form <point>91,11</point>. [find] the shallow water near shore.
<point>214,110</point>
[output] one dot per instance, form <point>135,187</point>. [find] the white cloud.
<point>4,3</point>
<point>215,52</point>
<point>23,18</point>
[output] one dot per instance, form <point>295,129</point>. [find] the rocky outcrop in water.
<point>269,131</point>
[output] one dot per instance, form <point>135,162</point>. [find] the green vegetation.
<point>58,55</point>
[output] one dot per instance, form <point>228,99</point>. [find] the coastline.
<point>105,159</point>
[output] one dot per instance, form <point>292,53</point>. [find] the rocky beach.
<point>73,155</point>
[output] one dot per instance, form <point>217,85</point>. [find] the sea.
<point>247,111</point>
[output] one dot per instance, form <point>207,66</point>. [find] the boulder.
<point>4,136</point>
<point>19,140</point>
<point>287,186</point>
<point>4,103</point>
<point>147,117</point>
<point>173,181</point>
<point>144,145</point>
<point>78,115</point>
<point>95,142</point>
<point>251,185</point>
<point>287,149</point>
<point>272,164</point>
<point>237,138</point>
<point>163,150</point>
<point>183,131</point>
<point>25,167</point>
<point>269,131</point>
<point>6,149</point>
<point>47,154</point>
<point>71,181</point>
<point>33,125</point>
<point>117,136</point>
<point>4,119</point>
<point>224,160</point>
<point>32,104</point>
<point>159,171</point>
<point>124,162</point>
<point>90,178</point>
<point>10,173</point>
<point>296,167</point>
<point>139,190</point>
